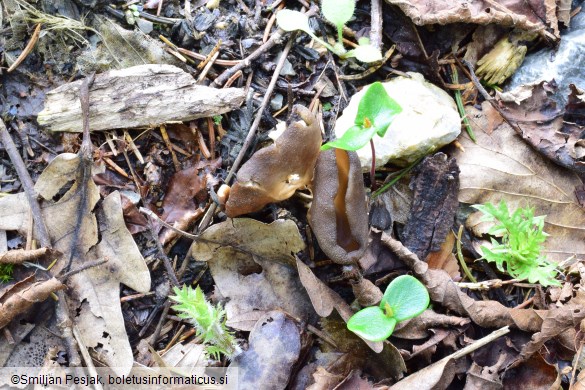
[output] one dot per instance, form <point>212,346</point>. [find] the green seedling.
<point>6,271</point>
<point>522,236</point>
<point>376,112</point>
<point>338,13</point>
<point>208,320</point>
<point>404,299</point>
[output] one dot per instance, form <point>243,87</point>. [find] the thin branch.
<point>27,184</point>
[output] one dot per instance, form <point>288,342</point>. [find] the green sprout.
<point>519,252</point>
<point>338,13</point>
<point>404,298</point>
<point>6,272</point>
<point>376,112</point>
<point>209,321</point>
<point>217,119</point>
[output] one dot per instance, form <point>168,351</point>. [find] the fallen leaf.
<point>252,265</point>
<point>19,297</point>
<point>556,133</point>
<point>513,13</point>
<point>534,374</point>
<point>445,259</point>
<point>275,345</point>
<point>95,293</point>
<point>501,166</point>
<point>186,191</point>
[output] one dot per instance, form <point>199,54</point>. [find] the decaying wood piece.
<point>140,96</point>
<point>435,202</point>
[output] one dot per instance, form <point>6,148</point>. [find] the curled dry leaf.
<point>555,133</point>
<point>418,327</point>
<point>19,256</point>
<point>500,166</point>
<point>19,297</point>
<point>274,173</point>
<point>338,214</point>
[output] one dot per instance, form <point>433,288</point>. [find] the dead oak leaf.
<point>501,166</point>
<point>95,292</point>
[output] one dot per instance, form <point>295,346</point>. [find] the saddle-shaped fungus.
<point>274,173</point>
<point>338,214</point>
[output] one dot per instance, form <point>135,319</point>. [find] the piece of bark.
<point>140,96</point>
<point>435,202</point>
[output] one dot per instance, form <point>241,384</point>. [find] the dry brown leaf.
<point>252,265</point>
<point>552,131</point>
<point>509,13</point>
<point>534,374</point>
<point>445,259</point>
<point>501,166</point>
<point>20,296</point>
<point>94,292</point>
<point>275,345</point>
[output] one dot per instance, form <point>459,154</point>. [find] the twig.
<point>255,54</point>
<point>265,101</point>
<point>86,357</point>
<point>29,46</point>
<point>84,170</point>
<point>165,258</point>
<point>27,184</point>
<point>82,268</point>
<point>376,24</point>
<point>486,284</point>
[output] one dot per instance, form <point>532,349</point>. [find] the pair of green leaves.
<point>404,298</point>
<point>376,111</point>
<point>337,12</point>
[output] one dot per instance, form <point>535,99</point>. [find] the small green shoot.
<point>6,272</point>
<point>404,298</point>
<point>519,252</point>
<point>208,320</point>
<point>338,13</point>
<point>376,111</point>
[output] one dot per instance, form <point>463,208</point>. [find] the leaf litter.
<point>288,291</point>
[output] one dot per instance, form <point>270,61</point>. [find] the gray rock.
<point>428,121</point>
<point>564,65</point>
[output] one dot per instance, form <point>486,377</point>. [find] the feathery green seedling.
<point>208,320</point>
<point>404,298</point>
<point>522,236</point>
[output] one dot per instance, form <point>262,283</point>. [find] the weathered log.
<point>140,96</point>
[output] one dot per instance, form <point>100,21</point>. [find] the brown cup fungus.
<point>274,173</point>
<point>338,214</point>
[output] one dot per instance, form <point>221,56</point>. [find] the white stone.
<point>428,121</point>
